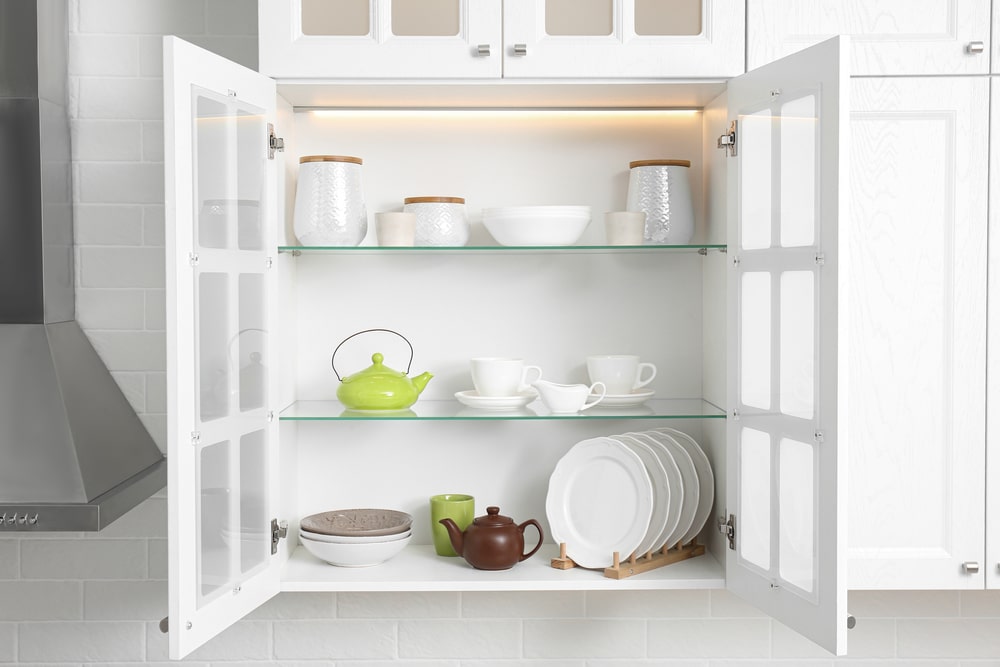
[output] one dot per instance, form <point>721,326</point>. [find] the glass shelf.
<point>701,248</point>
<point>657,408</point>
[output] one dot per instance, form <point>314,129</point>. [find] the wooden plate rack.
<point>636,564</point>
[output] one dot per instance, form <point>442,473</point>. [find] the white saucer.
<point>472,399</point>
<point>621,400</point>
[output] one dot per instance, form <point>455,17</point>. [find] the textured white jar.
<point>662,190</point>
<point>441,221</point>
<point>329,202</point>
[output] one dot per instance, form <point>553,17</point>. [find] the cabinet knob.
<point>520,49</point>
<point>970,567</point>
<point>974,48</point>
<point>483,50</point>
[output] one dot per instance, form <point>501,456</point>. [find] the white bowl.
<point>352,539</point>
<point>358,554</point>
<point>536,225</point>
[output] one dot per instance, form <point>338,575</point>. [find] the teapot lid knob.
<point>493,510</point>
<point>377,358</point>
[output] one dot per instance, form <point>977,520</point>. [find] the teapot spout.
<point>420,381</point>
<point>455,534</point>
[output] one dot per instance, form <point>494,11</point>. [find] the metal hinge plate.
<point>274,142</point>
<point>278,531</point>
<point>727,141</point>
<point>728,528</point>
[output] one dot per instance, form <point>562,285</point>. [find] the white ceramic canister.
<point>440,220</point>
<point>662,190</point>
<point>329,202</point>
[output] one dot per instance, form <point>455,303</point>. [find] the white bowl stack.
<point>355,537</point>
<point>536,225</point>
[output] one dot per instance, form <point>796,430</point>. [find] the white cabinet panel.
<point>537,44</point>
<point>888,36</point>
<point>918,307</point>
<point>992,565</point>
<point>379,39</point>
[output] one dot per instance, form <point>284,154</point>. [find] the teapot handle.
<point>334,357</point>
<point>531,522</point>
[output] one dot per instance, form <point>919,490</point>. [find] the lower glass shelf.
<point>661,408</point>
<point>418,568</point>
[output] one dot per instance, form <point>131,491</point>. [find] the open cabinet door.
<point>786,485</point>
<point>222,437</point>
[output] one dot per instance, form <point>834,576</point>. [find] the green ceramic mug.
<point>458,507</point>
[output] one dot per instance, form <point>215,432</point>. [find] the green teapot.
<point>379,387</point>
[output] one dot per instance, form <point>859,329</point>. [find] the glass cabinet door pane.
<point>797,511</point>
<point>342,18</point>
<point>249,362</point>
<point>213,346</point>
<point>215,515</point>
<point>668,17</point>
<point>425,18</point>
<point>755,497</point>
<point>579,17</point>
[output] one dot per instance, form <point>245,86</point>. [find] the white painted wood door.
<point>612,44</point>
<point>992,566</point>
<point>889,37</point>
<point>786,470</point>
<point>299,39</point>
<point>222,459</point>
<point>918,340</point>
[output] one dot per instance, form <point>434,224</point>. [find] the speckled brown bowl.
<point>357,522</point>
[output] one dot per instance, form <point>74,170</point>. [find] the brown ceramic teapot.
<point>492,542</point>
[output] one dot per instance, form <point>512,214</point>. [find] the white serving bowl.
<point>536,225</point>
<point>357,554</point>
<point>353,539</point>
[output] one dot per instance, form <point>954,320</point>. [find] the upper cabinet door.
<point>889,37</point>
<point>786,482</point>
<point>993,356</point>
<point>623,38</point>
<point>379,39</point>
<point>220,209</point>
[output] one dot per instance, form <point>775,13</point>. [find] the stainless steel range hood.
<point>73,453</point>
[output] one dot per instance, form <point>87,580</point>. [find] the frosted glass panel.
<point>579,17</point>
<point>797,514</point>
<point>336,17</point>
<point>425,18</point>
<point>213,346</point>
<point>755,352</point>
<point>229,172</point>
<point>755,498</point>
<point>215,513</point>
<point>797,356</point>
<point>255,536</point>
<point>755,151</point>
<point>799,171</point>
<point>250,363</point>
<point>668,17</point>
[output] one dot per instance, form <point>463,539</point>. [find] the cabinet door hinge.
<point>193,258</point>
<point>274,142</point>
<point>727,141</point>
<point>728,528</point>
<point>278,531</point>
<point>195,438</point>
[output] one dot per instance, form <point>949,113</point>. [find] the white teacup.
<point>502,376</point>
<point>394,228</point>
<point>568,398</point>
<point>620,373</point>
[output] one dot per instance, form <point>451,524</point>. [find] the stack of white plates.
<point>630,493</point>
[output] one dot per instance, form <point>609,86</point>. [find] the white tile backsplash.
<point>115,580</point>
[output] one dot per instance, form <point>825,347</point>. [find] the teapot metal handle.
<point>334,357</point>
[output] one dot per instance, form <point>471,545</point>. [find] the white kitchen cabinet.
<point>889,37</point>
<point>992,564</point>
<point>448,39</point>
<point>255,440</point>
<point>918,351</point>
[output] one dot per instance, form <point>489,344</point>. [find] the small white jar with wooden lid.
<point>329,201</point>
<point>441,221</point>
<point>662,190</point>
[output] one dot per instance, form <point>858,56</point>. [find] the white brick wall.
<point>94,600</point>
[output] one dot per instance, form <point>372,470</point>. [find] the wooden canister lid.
<point>434,200</point>
<point>329,158</point>
<point>659,163</point>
